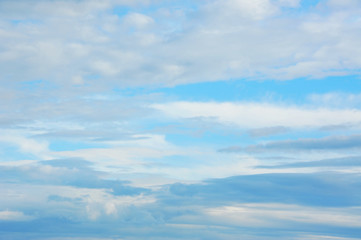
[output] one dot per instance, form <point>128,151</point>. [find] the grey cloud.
<point>54,229</point>
<point>67,172</point>
<point>326,143</point>
<point>231,149</point>
<point>341,127</point>
<point>6,122</point>
<point>327,189</point>
<point>178,212</point>
<point>180,207</point>
<point>70,163</point>
<point>334,162</point>
<point>58,198</point>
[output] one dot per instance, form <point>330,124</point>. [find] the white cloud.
<point>336,100</point>
<point>137,20</point>
<point>25,144</point>
<point>272,215</point>
<point>256,9</point>
<point>105,68</point>
<point>132,151</point>
<point>225,39</point>
<point>95,203</point>
<point>14,216</point>
<point>259,115</point>
<point>109,205</point>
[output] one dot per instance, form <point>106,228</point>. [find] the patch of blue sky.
<point>186,5</point>
<point>192,6</point>
<point>121,11</point>
<point>39,84</point>
<point>306,7</point>
<point>10,153</point>
<point>25,21</point>
<point>63,145</point>
<point>306,4</point>
<point>294,92</point>
<point>212,138</point>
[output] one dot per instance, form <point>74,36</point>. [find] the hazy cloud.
<point>326,143</point>
<point>335,162</point>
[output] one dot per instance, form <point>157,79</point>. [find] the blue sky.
<point>217,119</point>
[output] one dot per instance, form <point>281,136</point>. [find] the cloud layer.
<point>219,119</point>
<point>73,43</point>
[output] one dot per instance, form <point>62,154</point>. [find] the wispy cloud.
<point>327,143</point>
<point>259,115</point>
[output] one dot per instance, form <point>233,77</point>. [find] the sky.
<point>203,119</point>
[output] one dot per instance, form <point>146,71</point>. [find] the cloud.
<point>316,237</point>
<point>268,131</point>
<point>312,189</point>
<point>271,215</point>
<point>289,3</point>
<point>312,144</point>
<point>336,100</point>
<point>344,4</point>
<point>86,150</point>
<point>14,216</point>
<point>137,20</point>
<point>70,203</point>
<point>224,40</point>
<point>259,115</point>
<point>334,162</point>
<point>255,10</point>
<point>67,172</point>
<point>220,207</point>
<point>39,149</point>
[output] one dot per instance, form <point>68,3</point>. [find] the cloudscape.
<point>204,119</point>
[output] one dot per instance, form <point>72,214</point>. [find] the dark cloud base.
<point>177,212</point>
